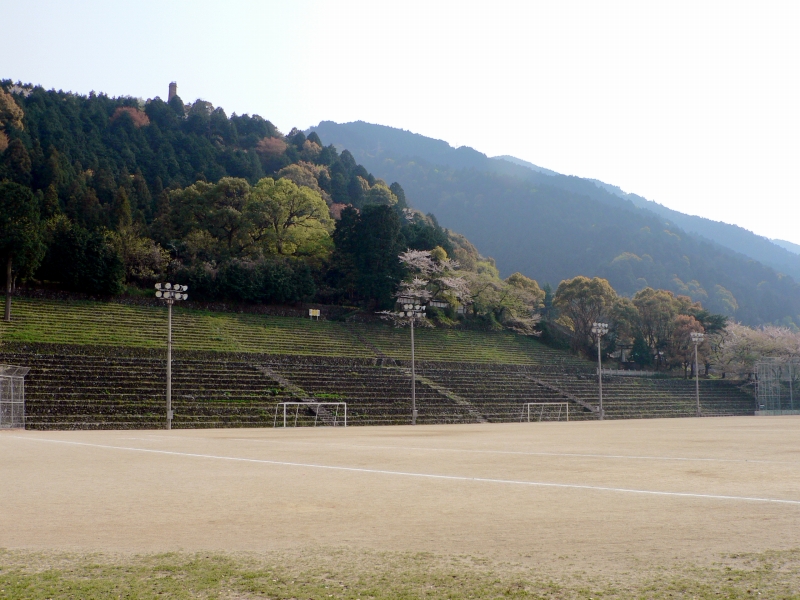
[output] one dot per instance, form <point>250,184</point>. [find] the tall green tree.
<point>285,217</point>
<point>380,243</point>
<point>367,246</point>
<point>21,244</point>
<point>584,301</point>
<point>16,163</point>
<point>657,312</point>
<point>82,260</point>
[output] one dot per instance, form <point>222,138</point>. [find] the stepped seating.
<point>374,395</point>
<point>635,397</point>
<point>119,390</point>
<point>463,346</point>
<point>118,325</point>
<point>110,324</point>
<point>107,324</point>
<point>102,366</point>
<point>86,392</point>
<point>499,394</point>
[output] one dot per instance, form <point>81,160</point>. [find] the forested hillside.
<point>101,193</point>
<point>552,227</point>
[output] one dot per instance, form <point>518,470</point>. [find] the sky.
<point>691,104</point>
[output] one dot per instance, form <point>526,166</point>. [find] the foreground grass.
<point>361,575</point>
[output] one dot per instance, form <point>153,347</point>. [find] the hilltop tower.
<point>173,91</point>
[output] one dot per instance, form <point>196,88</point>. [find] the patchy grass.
<point>94,323</point>
<point>345,573</point>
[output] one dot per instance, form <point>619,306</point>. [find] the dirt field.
<point>606,495</point>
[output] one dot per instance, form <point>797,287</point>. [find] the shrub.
<point>267,281</point>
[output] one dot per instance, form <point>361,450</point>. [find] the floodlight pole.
<point>599,329</point>
<point>697,337</point>
<point>169,293</point>
<point>170,302</point>
<point>413,378</point>
<point>600,376</point>
<point>412,312</point>
<point>696,379</point>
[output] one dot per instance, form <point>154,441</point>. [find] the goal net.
<point>545,411</point>
<point>310,414</point>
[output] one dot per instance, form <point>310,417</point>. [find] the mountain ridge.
<point>552,227</point>
<point>738,239</point>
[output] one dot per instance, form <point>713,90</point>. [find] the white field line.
<point>511,452</point>
<point>468,450</point>
<point>422,475</point>
<point>473,451</point>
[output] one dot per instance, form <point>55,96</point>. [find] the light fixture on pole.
<point>599,330</point>
<point>697,338</point>
<point>169,293</point>
<point>413,312</point>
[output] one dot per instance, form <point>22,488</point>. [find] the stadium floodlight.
<point>697,338</point>
<point>599,330</point>
<point>410,312</point>
<point>416,311</point>
<point>170,293</point>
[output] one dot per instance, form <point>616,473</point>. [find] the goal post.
<point>545,411</point>
<point>336,417</point>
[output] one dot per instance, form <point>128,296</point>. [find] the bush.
<point>82,260</point>
<point>266,281</point>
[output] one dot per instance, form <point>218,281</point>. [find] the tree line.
<point>104,194</point>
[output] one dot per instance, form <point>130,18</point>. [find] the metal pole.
<point>791,398</point>
<point>600,375</point>
<point>413,378</point>
<point>8,289</point>
<point>696,380</point>
<point>169,365</point>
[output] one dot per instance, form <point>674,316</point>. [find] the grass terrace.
<point>111,324</point>
<point>91,323</point>
<point>455,345</point>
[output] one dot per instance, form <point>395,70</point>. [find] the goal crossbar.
<point>563,408</point>
<point>318,405</point>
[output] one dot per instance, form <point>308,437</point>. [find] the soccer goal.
<point>335,417</point>
<point>545,411</point>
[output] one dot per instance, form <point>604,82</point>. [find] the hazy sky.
<point>691,104</point>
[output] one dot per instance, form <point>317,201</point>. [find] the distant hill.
<point>776,255</point>
<point>526,164</point>
<point>551,226</point>
<point>793,248</point>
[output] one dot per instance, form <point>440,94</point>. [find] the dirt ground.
<point>609,495</point>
